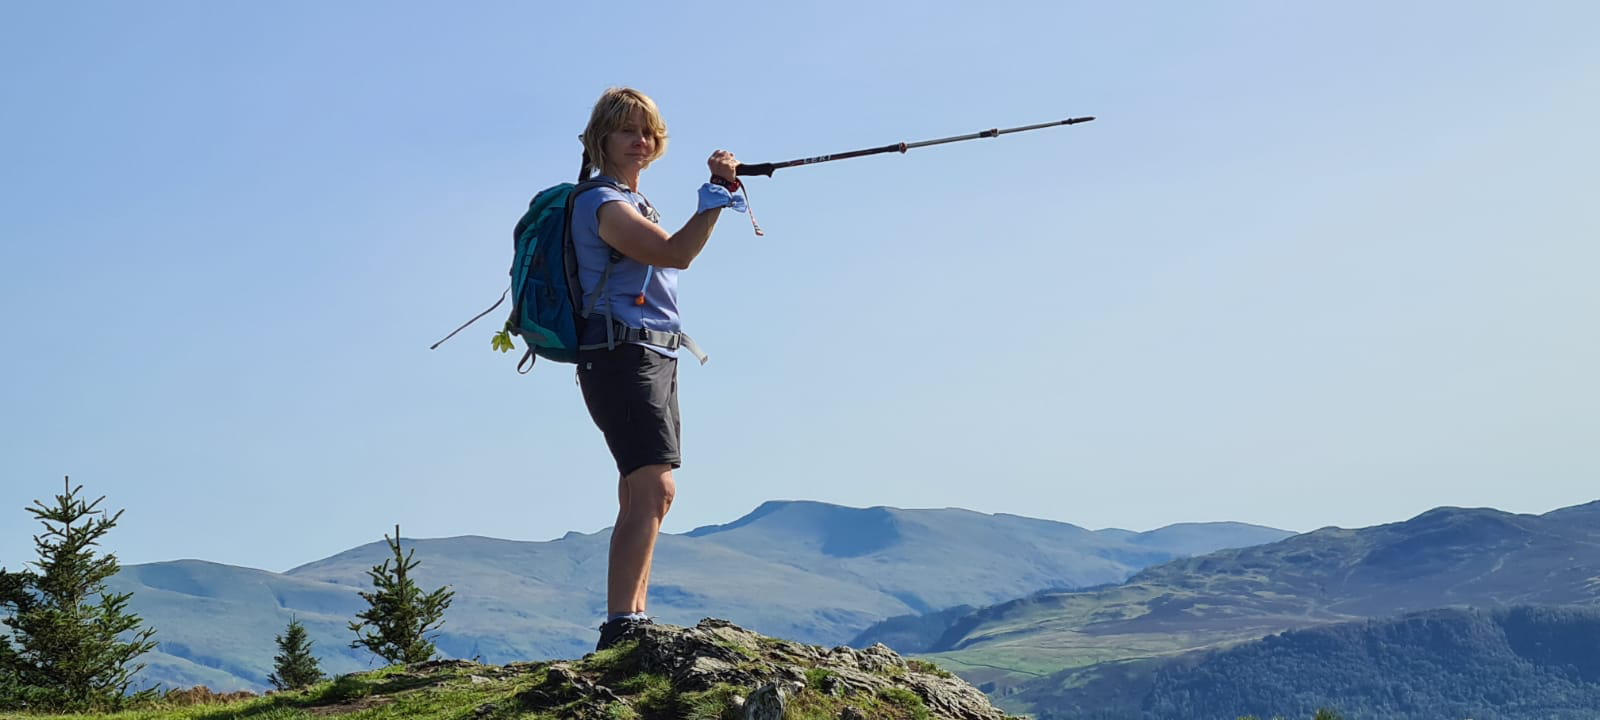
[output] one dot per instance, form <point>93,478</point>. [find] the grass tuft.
<point>816,676</point>
<point>713,704</point>
<point>928,668</point>
<point>611,661</point>
<point>906,700</point>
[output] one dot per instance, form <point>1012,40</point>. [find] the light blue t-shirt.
<point>629,278</point>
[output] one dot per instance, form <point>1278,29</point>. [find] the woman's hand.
<point>723,165</point>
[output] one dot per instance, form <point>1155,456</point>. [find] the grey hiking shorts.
<point>632,394</point>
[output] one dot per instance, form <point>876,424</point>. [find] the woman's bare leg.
<point>644,496</point>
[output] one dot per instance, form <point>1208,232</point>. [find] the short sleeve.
<point>586,210</point>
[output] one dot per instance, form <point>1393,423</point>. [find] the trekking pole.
<point>767,168</point>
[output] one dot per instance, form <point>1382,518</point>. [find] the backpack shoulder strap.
<point>605,275</point>
<point>592,184</point>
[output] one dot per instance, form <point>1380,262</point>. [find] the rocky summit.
<point>719,670</point>
<point>712,671</point>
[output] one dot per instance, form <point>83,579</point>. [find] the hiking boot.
<point>613,631</point>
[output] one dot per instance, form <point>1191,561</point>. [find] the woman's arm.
<point>629,233</point>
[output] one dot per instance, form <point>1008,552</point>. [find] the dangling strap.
<point>694,349</point>
<point>611,329</point>
<point>469,322</point>
<point>753,224</point>
<point>528,358</point>
<point>600,290</point>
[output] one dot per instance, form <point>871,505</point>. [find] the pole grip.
<point>754,169</point>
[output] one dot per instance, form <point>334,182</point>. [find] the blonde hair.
<point>611,112</point>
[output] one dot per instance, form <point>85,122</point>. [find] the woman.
<point>628,358</point>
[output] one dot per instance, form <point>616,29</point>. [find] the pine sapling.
<point>294,668</point>
<point>67,651</point>
<point>399,614</point>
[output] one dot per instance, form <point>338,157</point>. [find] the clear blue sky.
<point>1315,264</point>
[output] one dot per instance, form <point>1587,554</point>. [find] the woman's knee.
<point>651,487</point>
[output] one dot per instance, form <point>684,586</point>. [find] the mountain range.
<point>804,571</point>
<point>1037,652</point>
<point>1504,664</point>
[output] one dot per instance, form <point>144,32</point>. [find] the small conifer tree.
<point>294,668</point>
<point>399,614</point>
<point>65,651</point>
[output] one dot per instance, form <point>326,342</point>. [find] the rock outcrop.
<point>712,671</point>
<point>718,670</point>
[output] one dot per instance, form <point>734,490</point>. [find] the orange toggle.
<point>638,300</point>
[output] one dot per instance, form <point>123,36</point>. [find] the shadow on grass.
<point>284,708</point>
<point>353,691</point>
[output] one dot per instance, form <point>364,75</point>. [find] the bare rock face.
<point>766,703</point>
<point>761,676</point>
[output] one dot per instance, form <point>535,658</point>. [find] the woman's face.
<point>631,146</point>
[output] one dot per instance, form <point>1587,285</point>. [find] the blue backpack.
<point>544,281</point>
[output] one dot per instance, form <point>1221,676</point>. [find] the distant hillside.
<point>804,571</point>
<point>1524,662</point>
<point>912,633</point>
<point>1441,558</point>
<point>211,621</point>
